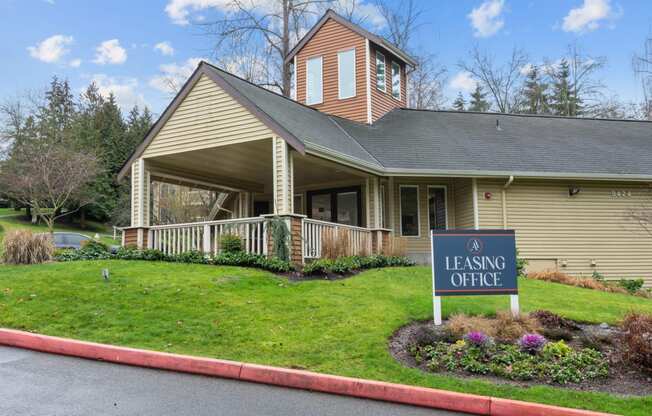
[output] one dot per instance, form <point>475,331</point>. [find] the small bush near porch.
<point>338,327</point>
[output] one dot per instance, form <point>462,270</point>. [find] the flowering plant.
<point>477,339</point>
<point>532,343</point>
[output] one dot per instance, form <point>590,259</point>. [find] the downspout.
<point>476,213</point>
<point>504,197</point>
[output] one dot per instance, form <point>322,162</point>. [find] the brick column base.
<point>135,236</point>
<point>379,240</point>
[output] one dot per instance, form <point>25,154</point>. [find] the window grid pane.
<point>346,74</point>
<point>396,80</point>
<point>314,81</point>
<point>380,71</point>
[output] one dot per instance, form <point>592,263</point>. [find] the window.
<point>396,80</point>
<point>346,74</point>
<point>314,80</point>
<point>341,205</point>
<point>437,215</point>
<point>409,210</point>
<point>380,71</point>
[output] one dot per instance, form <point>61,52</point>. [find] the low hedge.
<point>226,259</point>
<point>345,265</point>
<point>341,266</point>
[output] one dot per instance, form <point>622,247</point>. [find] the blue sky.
<point>115,42</point>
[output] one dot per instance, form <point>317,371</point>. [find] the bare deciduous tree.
<point>48,177</point>
<point>426,84</point>
<point>643,69</point>
<point>278,25</point>
<point>503,82</point>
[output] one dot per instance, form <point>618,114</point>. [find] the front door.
<point>340,205</point>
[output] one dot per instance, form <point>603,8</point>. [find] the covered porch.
<point>249,182</point>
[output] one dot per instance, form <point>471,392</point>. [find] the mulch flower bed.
<point>542,348</point>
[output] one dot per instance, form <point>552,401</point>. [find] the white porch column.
<point>140,184</point>
<point>373,189</point>
<point>283,177</point>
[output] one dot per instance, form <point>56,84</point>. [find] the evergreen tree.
<point>535,96</point>
<point>564,103</point>
<point>459,104</point>
<point>478,101</point>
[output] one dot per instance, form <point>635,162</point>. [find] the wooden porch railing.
<point>314,231</point>
<point>205,236</point>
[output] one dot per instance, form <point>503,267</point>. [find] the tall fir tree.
<point>563,101</point>
<point>535,93</point>
<point>478,100</point>
<point>460,103</point>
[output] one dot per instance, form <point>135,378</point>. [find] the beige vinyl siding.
<point>463,191</point>
<point>283,174</point>
<point>207,117</point>
<point>420,246</point>
<point>553,227</point>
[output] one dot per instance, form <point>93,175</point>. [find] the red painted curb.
<point>306,380</point>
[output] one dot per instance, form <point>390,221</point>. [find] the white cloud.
<point>124,90</point>
<point>486,19</point>
<point>366,11</point>
<point>75,63</point>
<point>463,81</point>
<point>588,16</point>
<point>110,52</point>
<point>165,48</point>
<point>51,49</point>
<point>179,10</point>
<point>174,75</point>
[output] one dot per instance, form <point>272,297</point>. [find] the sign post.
<point>473,262</point>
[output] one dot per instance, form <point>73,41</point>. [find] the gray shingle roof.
<point>466,142</point>
<point>305,123</point>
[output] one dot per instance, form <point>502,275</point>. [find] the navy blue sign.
<point>474,262</point>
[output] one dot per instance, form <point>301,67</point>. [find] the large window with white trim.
<point>409,208</point>
<point>380,71</point>
<point>314,81</point>
<point>346,74</point>
<point>396,80</point>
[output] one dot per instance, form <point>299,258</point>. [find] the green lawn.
<point>338,327</point>
<point>11,220</point>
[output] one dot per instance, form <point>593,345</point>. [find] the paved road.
<point>33,383</point>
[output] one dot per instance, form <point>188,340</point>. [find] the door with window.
<point>341,205</point>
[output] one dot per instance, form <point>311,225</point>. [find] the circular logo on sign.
<point>474,246</point>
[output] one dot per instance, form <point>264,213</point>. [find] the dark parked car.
<point>74,241</point>
<point>69,240</point>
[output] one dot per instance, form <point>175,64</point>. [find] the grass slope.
<point>338,327</point>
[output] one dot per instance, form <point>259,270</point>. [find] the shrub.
<point>461,324</point>
<point>280,234</point>
<point>230,243</point>
<point>511,328</point>
<point>637,339</point>
<point>24,247</point>
<point>587,283</point>
<point>631,285</point>
<point>551,320</point>
<point>521,263</point>
<point>350,264</point>
<point>94,245</point>
<point>598,276</point>
<point>532,343</point>
<point>245,259</point>
<point>396,247</point>
<point>557,349</point>
<point>478,339</point>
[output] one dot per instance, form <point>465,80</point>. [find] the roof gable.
<point>207,91</point>
<point>330,14</point>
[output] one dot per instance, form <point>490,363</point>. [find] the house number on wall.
<point>621,194</point>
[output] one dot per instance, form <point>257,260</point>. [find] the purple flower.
<point>477,339</point>
<point>532,343</point>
